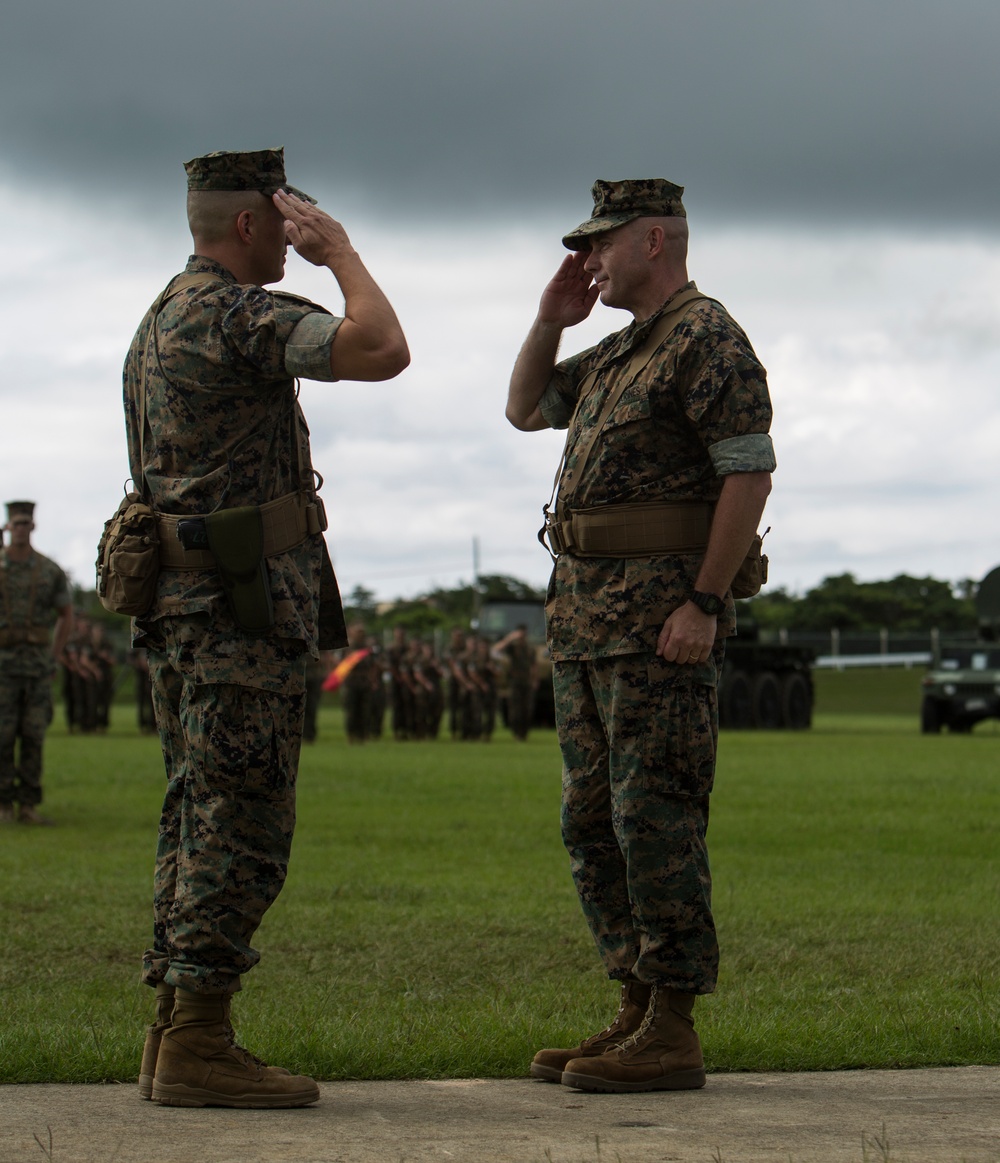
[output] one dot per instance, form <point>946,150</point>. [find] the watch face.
<point>709,603</point>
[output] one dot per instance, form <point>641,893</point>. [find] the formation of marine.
<point>460,690</point>
<point>395,685</point>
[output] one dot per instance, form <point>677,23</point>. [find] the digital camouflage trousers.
<point>638,737</point>
<point>229,710</point>
<point>25,714</point>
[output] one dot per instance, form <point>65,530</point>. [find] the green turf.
<point>891,690</point>
<point>429,927</point>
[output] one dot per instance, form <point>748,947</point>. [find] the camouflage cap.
<point>20,509</point>
<point>616,203</point>
<point>263,169</point>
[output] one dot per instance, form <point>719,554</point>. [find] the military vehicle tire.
<point>736,710</point>
<point>930,717</point>
<point>796,702</point>
<point>960,727</point>
<point>766,701</point>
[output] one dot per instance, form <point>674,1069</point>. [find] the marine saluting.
<point>246,594</point>
<point>665,474</point>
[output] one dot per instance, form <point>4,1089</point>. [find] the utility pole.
<point>476,592</point>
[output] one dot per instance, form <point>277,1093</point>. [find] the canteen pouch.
<point>236,538</point>
<point>752,574</point>
<point>128,558</point>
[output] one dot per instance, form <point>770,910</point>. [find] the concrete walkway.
<point>902,1116</point>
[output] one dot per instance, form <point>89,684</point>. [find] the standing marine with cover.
<point>665,476</point>
<point>522,678</point>
<point>246,594</point>
<point>34,598</point>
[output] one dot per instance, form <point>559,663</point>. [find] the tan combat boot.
<point>151,1047</point>
<point>663,1054</point>
<point>6,813</point>
<point>199,1063</point>
<point>549,1064</point>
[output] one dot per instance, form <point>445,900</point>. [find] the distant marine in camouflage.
<point>35,623</point>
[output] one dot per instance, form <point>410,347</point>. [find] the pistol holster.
<point>236,538</point>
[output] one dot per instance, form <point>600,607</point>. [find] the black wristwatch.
<point>710,604</point>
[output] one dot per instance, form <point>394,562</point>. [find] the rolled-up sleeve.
<point>307,352</point>
<point>558,402</point>
<point>752,452</point>
<point>554,406</point>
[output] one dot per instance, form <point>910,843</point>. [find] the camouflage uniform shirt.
<point>698,410</point>
<point>221,427</point>
<point>32,593</point>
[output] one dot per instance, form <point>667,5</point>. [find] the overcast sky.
<point>841,165</point>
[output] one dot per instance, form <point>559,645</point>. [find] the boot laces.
<point>249,1057</point>
<point>614,1021</point>
<point>647,1021</point>
<point>610,1027</point>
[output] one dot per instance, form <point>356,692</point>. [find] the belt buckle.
<point>548,535</point>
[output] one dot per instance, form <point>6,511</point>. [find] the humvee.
<point>963,683</point>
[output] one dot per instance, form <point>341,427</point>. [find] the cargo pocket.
<point>679,754</point>
<point>248,745</point>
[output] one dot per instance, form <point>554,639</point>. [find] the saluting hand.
<point>316,236</point>
<point>571,293</point>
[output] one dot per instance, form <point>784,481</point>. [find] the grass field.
<point>429,927</point>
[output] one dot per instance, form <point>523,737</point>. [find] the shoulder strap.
<point>660,331</point>
<point>174,287</point>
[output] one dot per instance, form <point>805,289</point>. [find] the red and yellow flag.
<point>343,669</point>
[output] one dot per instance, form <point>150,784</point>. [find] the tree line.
<point>903,603</point>
<point>439,608</point>
<point>841,602</point>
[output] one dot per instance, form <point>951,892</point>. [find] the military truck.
<point>763,685</point>
<point>962,685</point>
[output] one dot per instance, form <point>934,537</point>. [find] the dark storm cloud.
<point>449,107</point>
